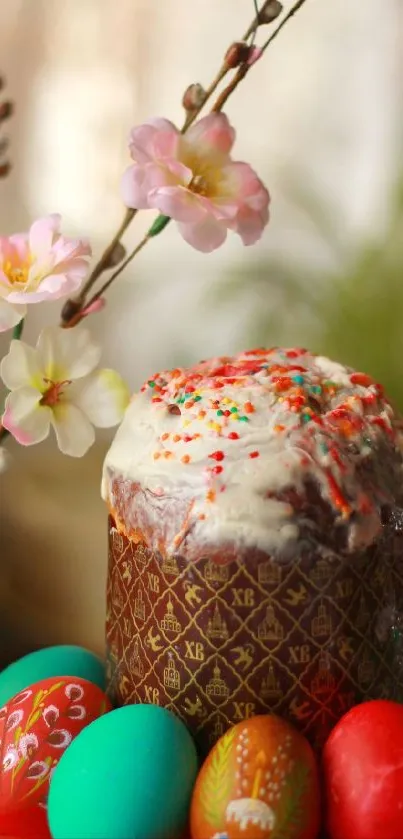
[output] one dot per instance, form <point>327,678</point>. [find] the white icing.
<point>289,451</point>
<point>251,811</point>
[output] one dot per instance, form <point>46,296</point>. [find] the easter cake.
<point>255,560</point>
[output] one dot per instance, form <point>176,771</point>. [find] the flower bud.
<point>270,11</point>
<point>70,309</point>
<point>6,109</point>
<point>118,254</point>
<point>237,54</point>
<point>193,97</point>
<point>95,307</point>
<point>254,55</point>
<point>4,169</point>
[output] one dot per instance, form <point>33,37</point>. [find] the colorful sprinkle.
<point>361,379</point>
<point>324,419</point>
<point>219,455</point>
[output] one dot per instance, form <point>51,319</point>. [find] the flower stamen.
<point>199,184</point>
<point>54,393</point>
<point>16,275</point>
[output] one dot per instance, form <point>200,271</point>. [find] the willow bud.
<point>5,169</point>
<point>270,11</point>
<point>6,109</point>
<point>193,97</point>
<point>70,309</point>
<point>118,254</point>
<point>237,54</point>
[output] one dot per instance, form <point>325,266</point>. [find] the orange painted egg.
<point>260,781</point>
<point>36,727</point>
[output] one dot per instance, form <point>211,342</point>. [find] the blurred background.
<point>321,120</point>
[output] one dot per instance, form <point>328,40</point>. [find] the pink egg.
<point>36,727</point>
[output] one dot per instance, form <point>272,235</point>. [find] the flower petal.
<point>59,738</point>
<point>74,692</point>
<point>74,431</point>
<point>28,745</point>
<point>212,133</point>
<point>25,418</point>
<point>249,224</point>
<point>178,203</point>
<point>66,354</point>
<point>134,188</point>
<point>76,712</point>
<point>155,139</point>
<point>22,696</point>
<point>18,247</point>
<point>240,180</point>
<point>14,719</point>
<point>41,235</point>
<point>70,250</point>
<point>50,714</point>
<point>10,759</point>
<point>20,367</point>
<point>102,397</point>
<point>52,287</point>
<point>206,236</point>
<point>169,173</point>
<point>37,769</point>
<point>10,315</point>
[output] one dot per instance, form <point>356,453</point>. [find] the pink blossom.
<point>39,265</point>
<point>192,179</point>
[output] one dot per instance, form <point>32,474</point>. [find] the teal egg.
<point>128,775</point>
<point>51,661</point>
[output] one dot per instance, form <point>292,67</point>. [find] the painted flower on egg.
<point>43,725</point>
<point>56,384</point>
<point>39,265</point>
<point>192,179</point>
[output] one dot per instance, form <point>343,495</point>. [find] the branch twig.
<point>244,68</point>
<point>240,74</point>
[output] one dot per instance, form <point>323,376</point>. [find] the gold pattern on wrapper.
<point>220,643</point>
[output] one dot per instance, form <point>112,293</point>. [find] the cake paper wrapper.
<point>218,643</point>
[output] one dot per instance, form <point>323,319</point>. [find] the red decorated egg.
<point>363,772</point>
<point>29,823</point>
<point>259,781</point>
<point>36,727</point>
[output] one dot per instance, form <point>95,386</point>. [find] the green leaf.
<point>292,812</point>
<point>216,788</point>
<point>18,329</point>
<point>159,225</point>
